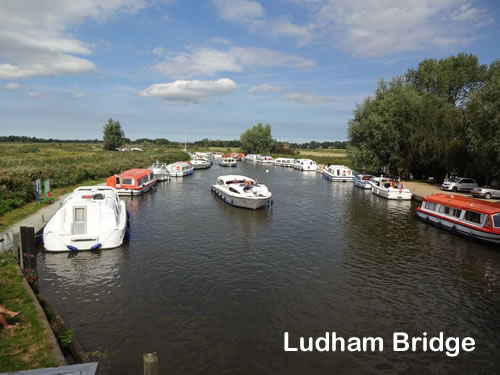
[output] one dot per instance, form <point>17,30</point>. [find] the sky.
<point>214,68</point>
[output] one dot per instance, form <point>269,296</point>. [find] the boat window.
<point>496,221</point>
<point>127,181</point>
<point>117,180</point>
<point>472,216</point>
<point>487,223</point>
<point>450,211</point>
<point>233,190</point>
<point>430,206</point>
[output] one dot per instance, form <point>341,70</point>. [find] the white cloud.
<point>208,61</point>
<point>381,27</point>
<point>236,10</point>
<point>37,94</point>
<point>263,89</point>
<point>11,86</point>
<point>159,51</point>
<point>78,95</point>
<point>190,91</point>
<point>36,39</point>
<point>308,98</point>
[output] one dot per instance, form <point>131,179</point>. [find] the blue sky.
<point>217,67</point>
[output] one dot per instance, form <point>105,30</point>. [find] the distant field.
<point>322,152</point>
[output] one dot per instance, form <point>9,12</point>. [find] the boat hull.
<point>182,173</point>
<point>253,203</point>
<point>231,165</point>
<point>331,177</point>
<point>460,229</point>
<point>138,191</point>
<point>363,185</point>
<point>391,193</point>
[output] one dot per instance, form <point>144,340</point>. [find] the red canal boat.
<point>468,217</point>
<point>132,182</point>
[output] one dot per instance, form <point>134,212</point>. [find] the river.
<point>212,288</point>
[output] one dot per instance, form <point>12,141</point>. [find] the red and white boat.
<point>132,182</point>
<point>469,217</point>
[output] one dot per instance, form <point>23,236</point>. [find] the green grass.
<point>25,347</point>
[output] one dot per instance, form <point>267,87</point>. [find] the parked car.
<point>486,192</point>
<point>460,184</point>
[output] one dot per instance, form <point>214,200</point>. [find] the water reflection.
<point>212,288</point>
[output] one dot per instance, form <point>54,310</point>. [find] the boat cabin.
<point>134,181</point>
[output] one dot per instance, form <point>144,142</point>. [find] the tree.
<point>453,78</point>
<point>257,140</point>
<point>483,126</point>
<point>113,135</point>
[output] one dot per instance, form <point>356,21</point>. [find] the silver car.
<point>459,184</point>
<point>486,192</point>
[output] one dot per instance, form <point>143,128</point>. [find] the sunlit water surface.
<point>212,288</point>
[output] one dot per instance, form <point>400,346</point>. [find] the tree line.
<point>442,117</point>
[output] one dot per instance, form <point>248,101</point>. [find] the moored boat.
<point>363,181</point>
<point>389,188</point>
<point>160,171</point>
<point>305,165</point>
<point>91,218</point>
<point>338,173</point>
<point>265,159</point>
<point>465,216</point>
<point>242,191</point>
<point>284,162</point>
<point>251,157</point>
<point>228,162</point>
<point>180,169</point>
<point>132,182</point>
<point>201,163</point>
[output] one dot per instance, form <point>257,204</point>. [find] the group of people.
<point>3,321</point>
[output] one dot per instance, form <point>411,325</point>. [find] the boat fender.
<point>232,202</point>
<point>427,219</point>
<point>72,248</point>
<point>454,228</point>
<point>96,246</point>
<point>470,235</point>
<point>272,203</point>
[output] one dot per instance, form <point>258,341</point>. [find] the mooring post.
<point>15,247</point>
<point>151,364</point>
<point>29,256</point>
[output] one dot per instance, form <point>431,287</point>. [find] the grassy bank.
<point>66,165</point>
<point>25,347</point>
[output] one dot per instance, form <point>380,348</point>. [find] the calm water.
<point>212,288</point>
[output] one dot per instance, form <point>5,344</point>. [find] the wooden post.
<point>15,246</point>
<point>29,256</point>
<point>151,364</point>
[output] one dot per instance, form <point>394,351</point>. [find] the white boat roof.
<point>232,177</point>
<point>338,166</point>
<point>84,193</point>
<point>180,163</point>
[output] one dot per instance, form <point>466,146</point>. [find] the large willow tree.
<point>431,121</point>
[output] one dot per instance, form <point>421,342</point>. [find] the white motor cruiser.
<point>305,165</point>
<point>160,171</point>
<point>201,163</point>
<point>389,188</point>
<point>228,162</point>
<point>180,169</point>
<point>338,173</point>
<point>284,162</point>
<point>242,191</point>
<point>91,218</point>
<point>363,181</point>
